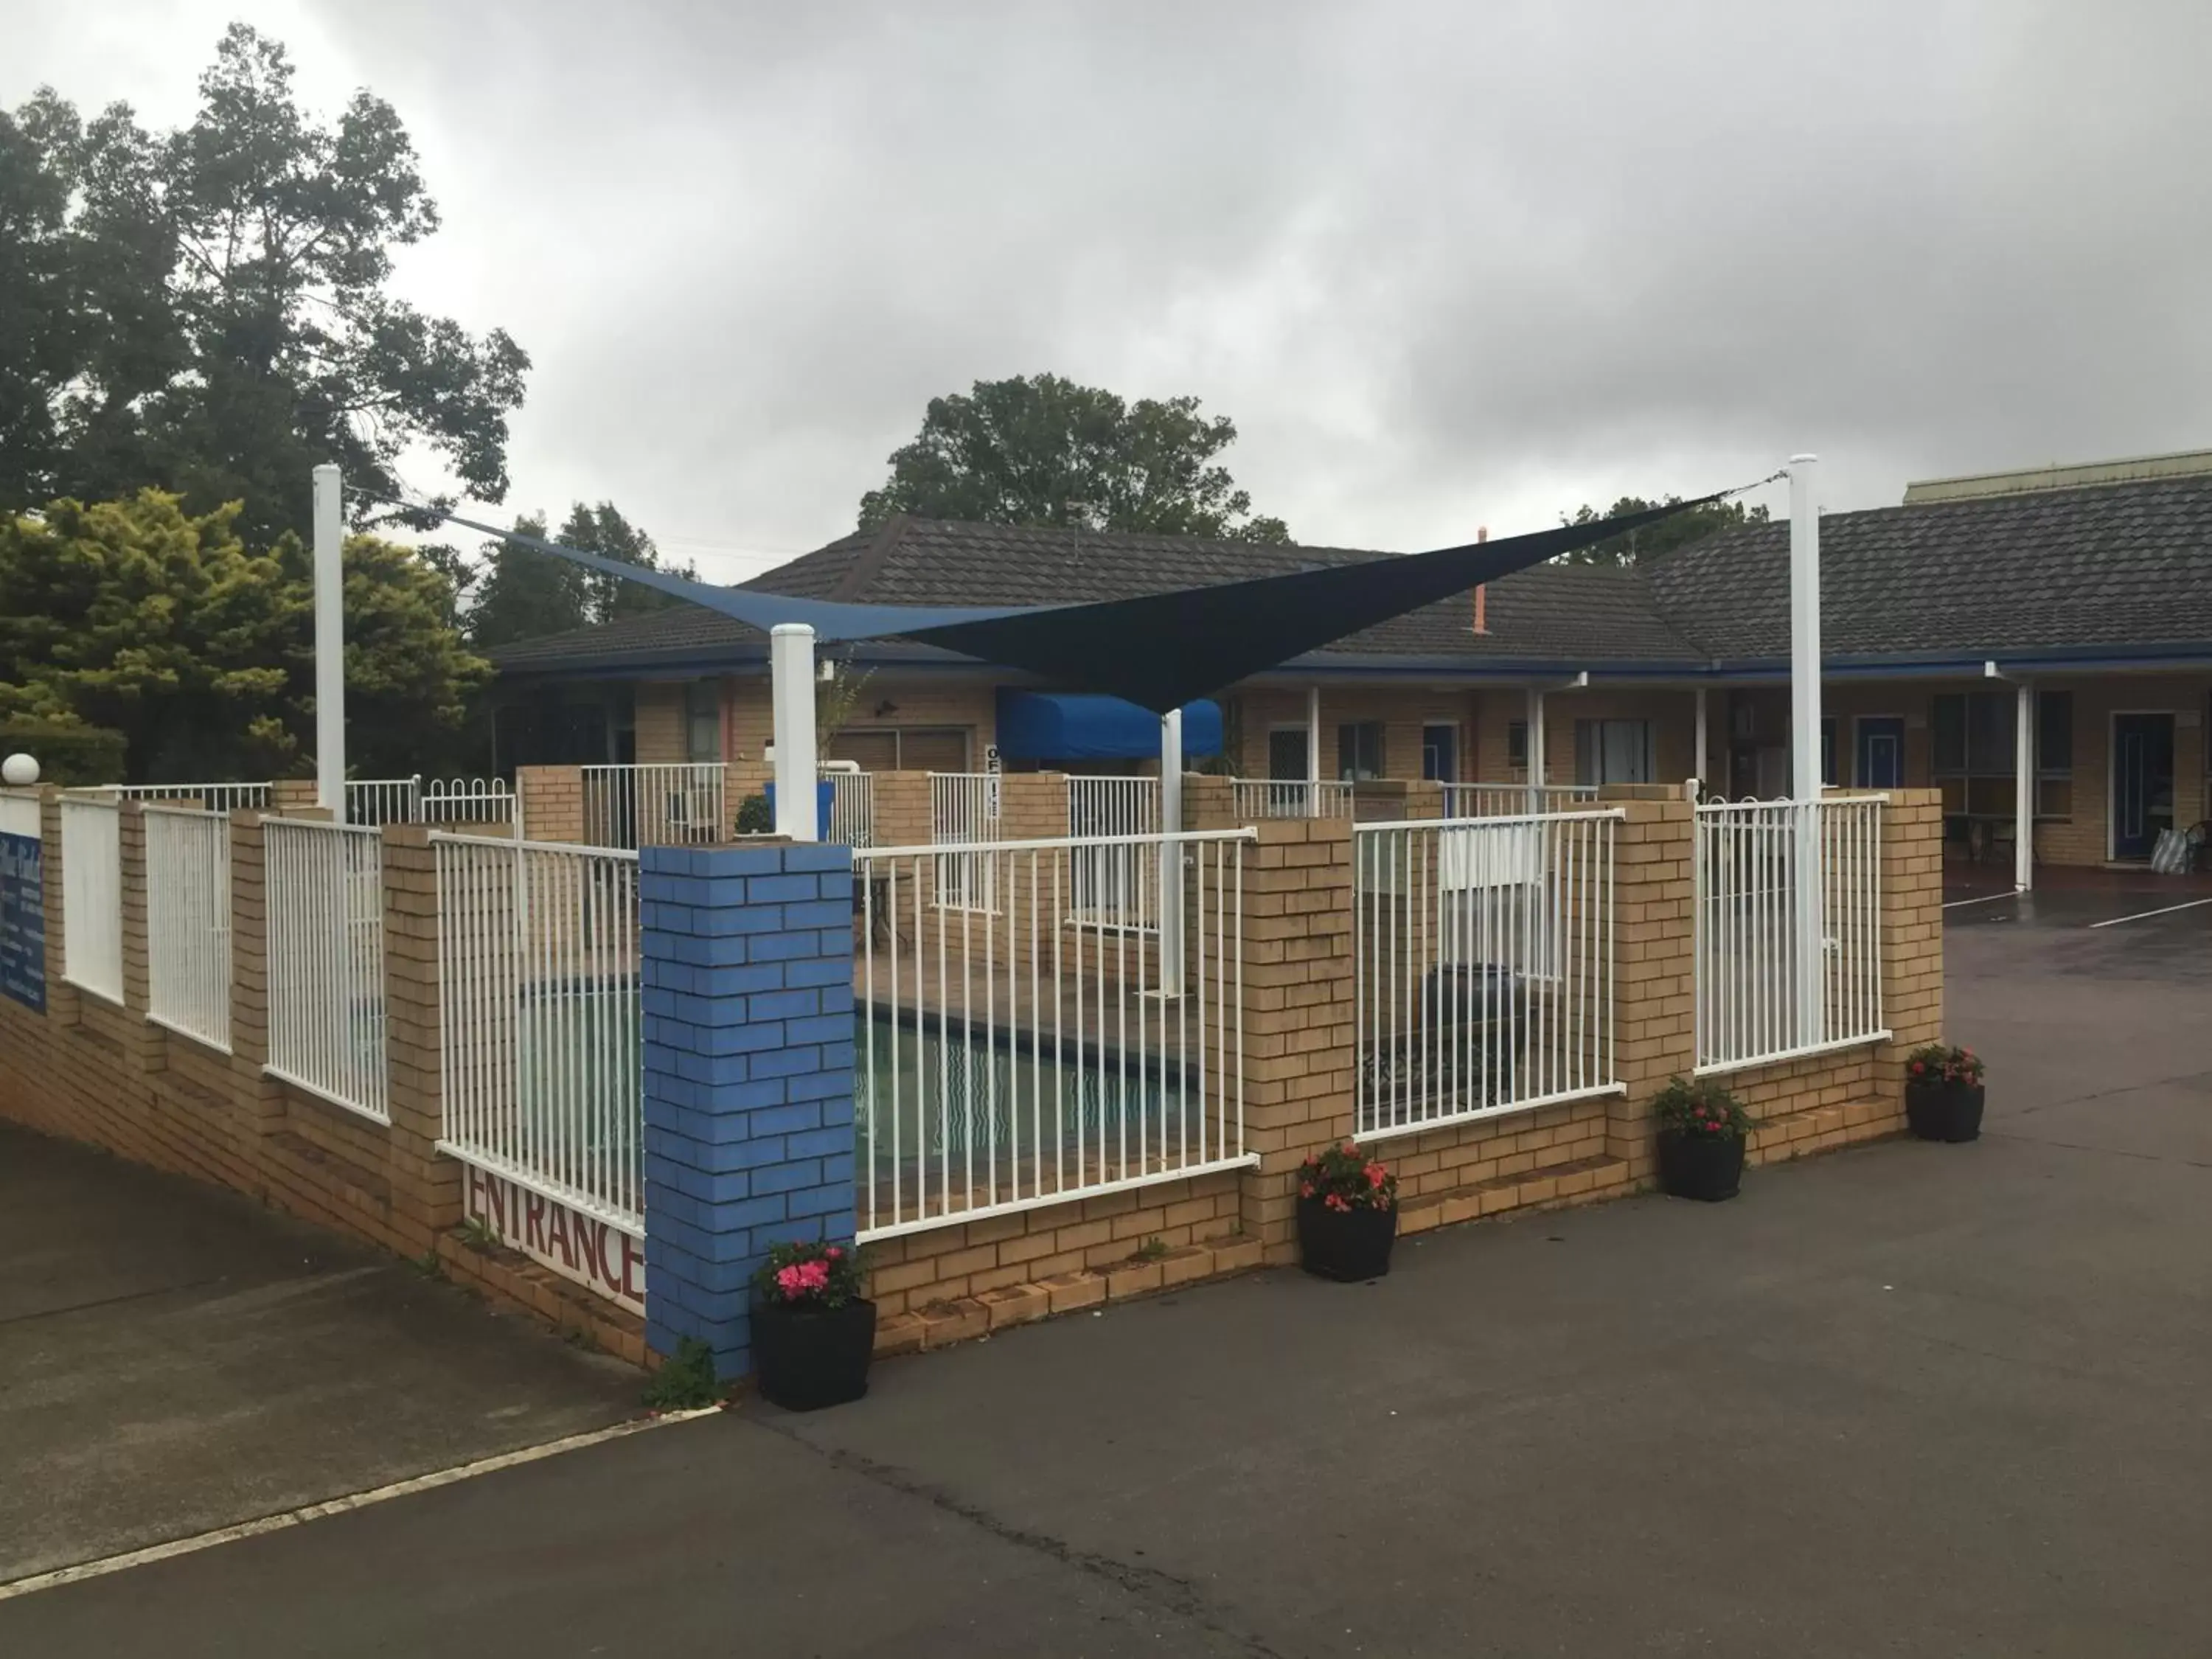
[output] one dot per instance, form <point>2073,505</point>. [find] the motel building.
<point>2037,644</point>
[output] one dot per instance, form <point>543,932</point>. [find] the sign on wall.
<point>22,904</point>
<point>576,1245</point>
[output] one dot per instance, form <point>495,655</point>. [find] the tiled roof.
<point>2120,564</point>
<point>2116,564</point>
<point>1585,612</point>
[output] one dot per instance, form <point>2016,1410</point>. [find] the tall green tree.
<point>208,310</point>
<point>1042,450</point>
<point>524,594</point>
<point>1654,540</point>
<point>199,646</point>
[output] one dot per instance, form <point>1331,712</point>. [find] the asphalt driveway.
<point>175,1359</point>
<point>1909,1400</point>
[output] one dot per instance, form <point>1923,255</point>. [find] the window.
<point>2054,754</point>
<point>1359,749</point>
<point>1286,753</point>
<point>1828,749</point>
<point>1516,745</point>
<point>1440,754</point>
<point>1613,752</point>
<point>1976,741</point>
<point>702,720</point>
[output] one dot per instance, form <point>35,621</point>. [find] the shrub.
<point>68,751</point>
<point>1938,1062</point>
<point>754,818</point>
<point>809,1275</point>
<point>1346,1178</point>
<point>1702,1108</point>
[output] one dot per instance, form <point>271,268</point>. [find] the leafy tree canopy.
<point>1653,540</point>
<point>199,646</point>
<point>206,310</point>
<point>525,594</point>
<point>1045,451</point>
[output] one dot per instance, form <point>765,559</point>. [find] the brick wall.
<point>748,995</point>
<point>552,802</point>
<point>92,1072</point>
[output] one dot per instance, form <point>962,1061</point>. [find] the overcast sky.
<point>1444,264</point>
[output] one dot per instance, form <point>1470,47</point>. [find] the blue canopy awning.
<point>1072,725</point>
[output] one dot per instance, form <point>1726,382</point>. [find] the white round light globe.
<point>20,771</point>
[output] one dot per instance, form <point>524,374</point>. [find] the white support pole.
<point>1805,748</point>
<point>791,691</point>
<point>2023,795</point>
<point>1313,752</point>
<point>1171,867</point>
<point>1705,783</point>
<point>1536,779</point>
<point>330,644</point>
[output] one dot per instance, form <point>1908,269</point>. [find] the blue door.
<point>1880,763</point>
<point>2142,782</point>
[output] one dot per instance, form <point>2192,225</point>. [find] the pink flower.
<point>1305,1190</point>
<point>835,1254</point>
<point>1349,1147</point>
<point>1376,1175</point>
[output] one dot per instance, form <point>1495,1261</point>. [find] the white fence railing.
<point>1789,929</point>
<point>373,801</point>
<point>1514,800</point>
<point>1292,798</point>
<point>1483,972</point>
<point>852,806</point>
<point>1117,881</point>
<point>210,797</point>
<point>92,895</point>
<point>323,887</point>
<point>539,1009</point>
<point>964,810</point>
<point>675,805</point>
<point>188,922</point>
<point>1011,1053</point>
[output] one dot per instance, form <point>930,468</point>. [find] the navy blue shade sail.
<point>1160,650</point>
<point>1083,725</point>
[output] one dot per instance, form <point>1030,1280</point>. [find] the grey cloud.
<point>1444,264</point>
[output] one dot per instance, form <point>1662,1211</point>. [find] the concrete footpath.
<point>1910,1399</point>
<point>175,1359</point>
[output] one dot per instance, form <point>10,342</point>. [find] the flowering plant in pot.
<point>1943,1092</point>
<point>1347,1214</point>
<point>1702,1131</point>
<point>813,1333</point>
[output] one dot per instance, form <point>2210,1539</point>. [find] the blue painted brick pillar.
<point>748,994</point>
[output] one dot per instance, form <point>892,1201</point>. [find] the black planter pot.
<point>804,1358</point>
<point>1708,1168</point>
<point>1944,1111</point>
<point>1345,1244</point>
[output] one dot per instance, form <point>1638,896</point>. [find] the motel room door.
<point>1881,752</point>
<point>2142,782</point>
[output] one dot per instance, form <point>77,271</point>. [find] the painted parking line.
<point>306,1512</point>
<point>1985,898</point>
<point>2145,915</point>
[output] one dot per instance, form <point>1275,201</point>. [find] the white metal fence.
<point>852,806</point>
<point>1483,975</point>
<point>964,811</point>
<point>1013,1053</point>
<point>675,805</point>
<point>211,797</point>
<point>539,1010</point>
<point>323,886</point>
<point>434,800</point>
<point>1292,798</point>
<point>92,895</point>
<point>1513,800</point>
<point>1116,881</point>
<point>1789,929</point>
<point>188,922</point>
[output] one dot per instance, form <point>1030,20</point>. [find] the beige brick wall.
<point>90,1072</point>
<point>932,703</point>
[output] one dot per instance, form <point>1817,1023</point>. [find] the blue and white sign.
<point>22,903</point>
